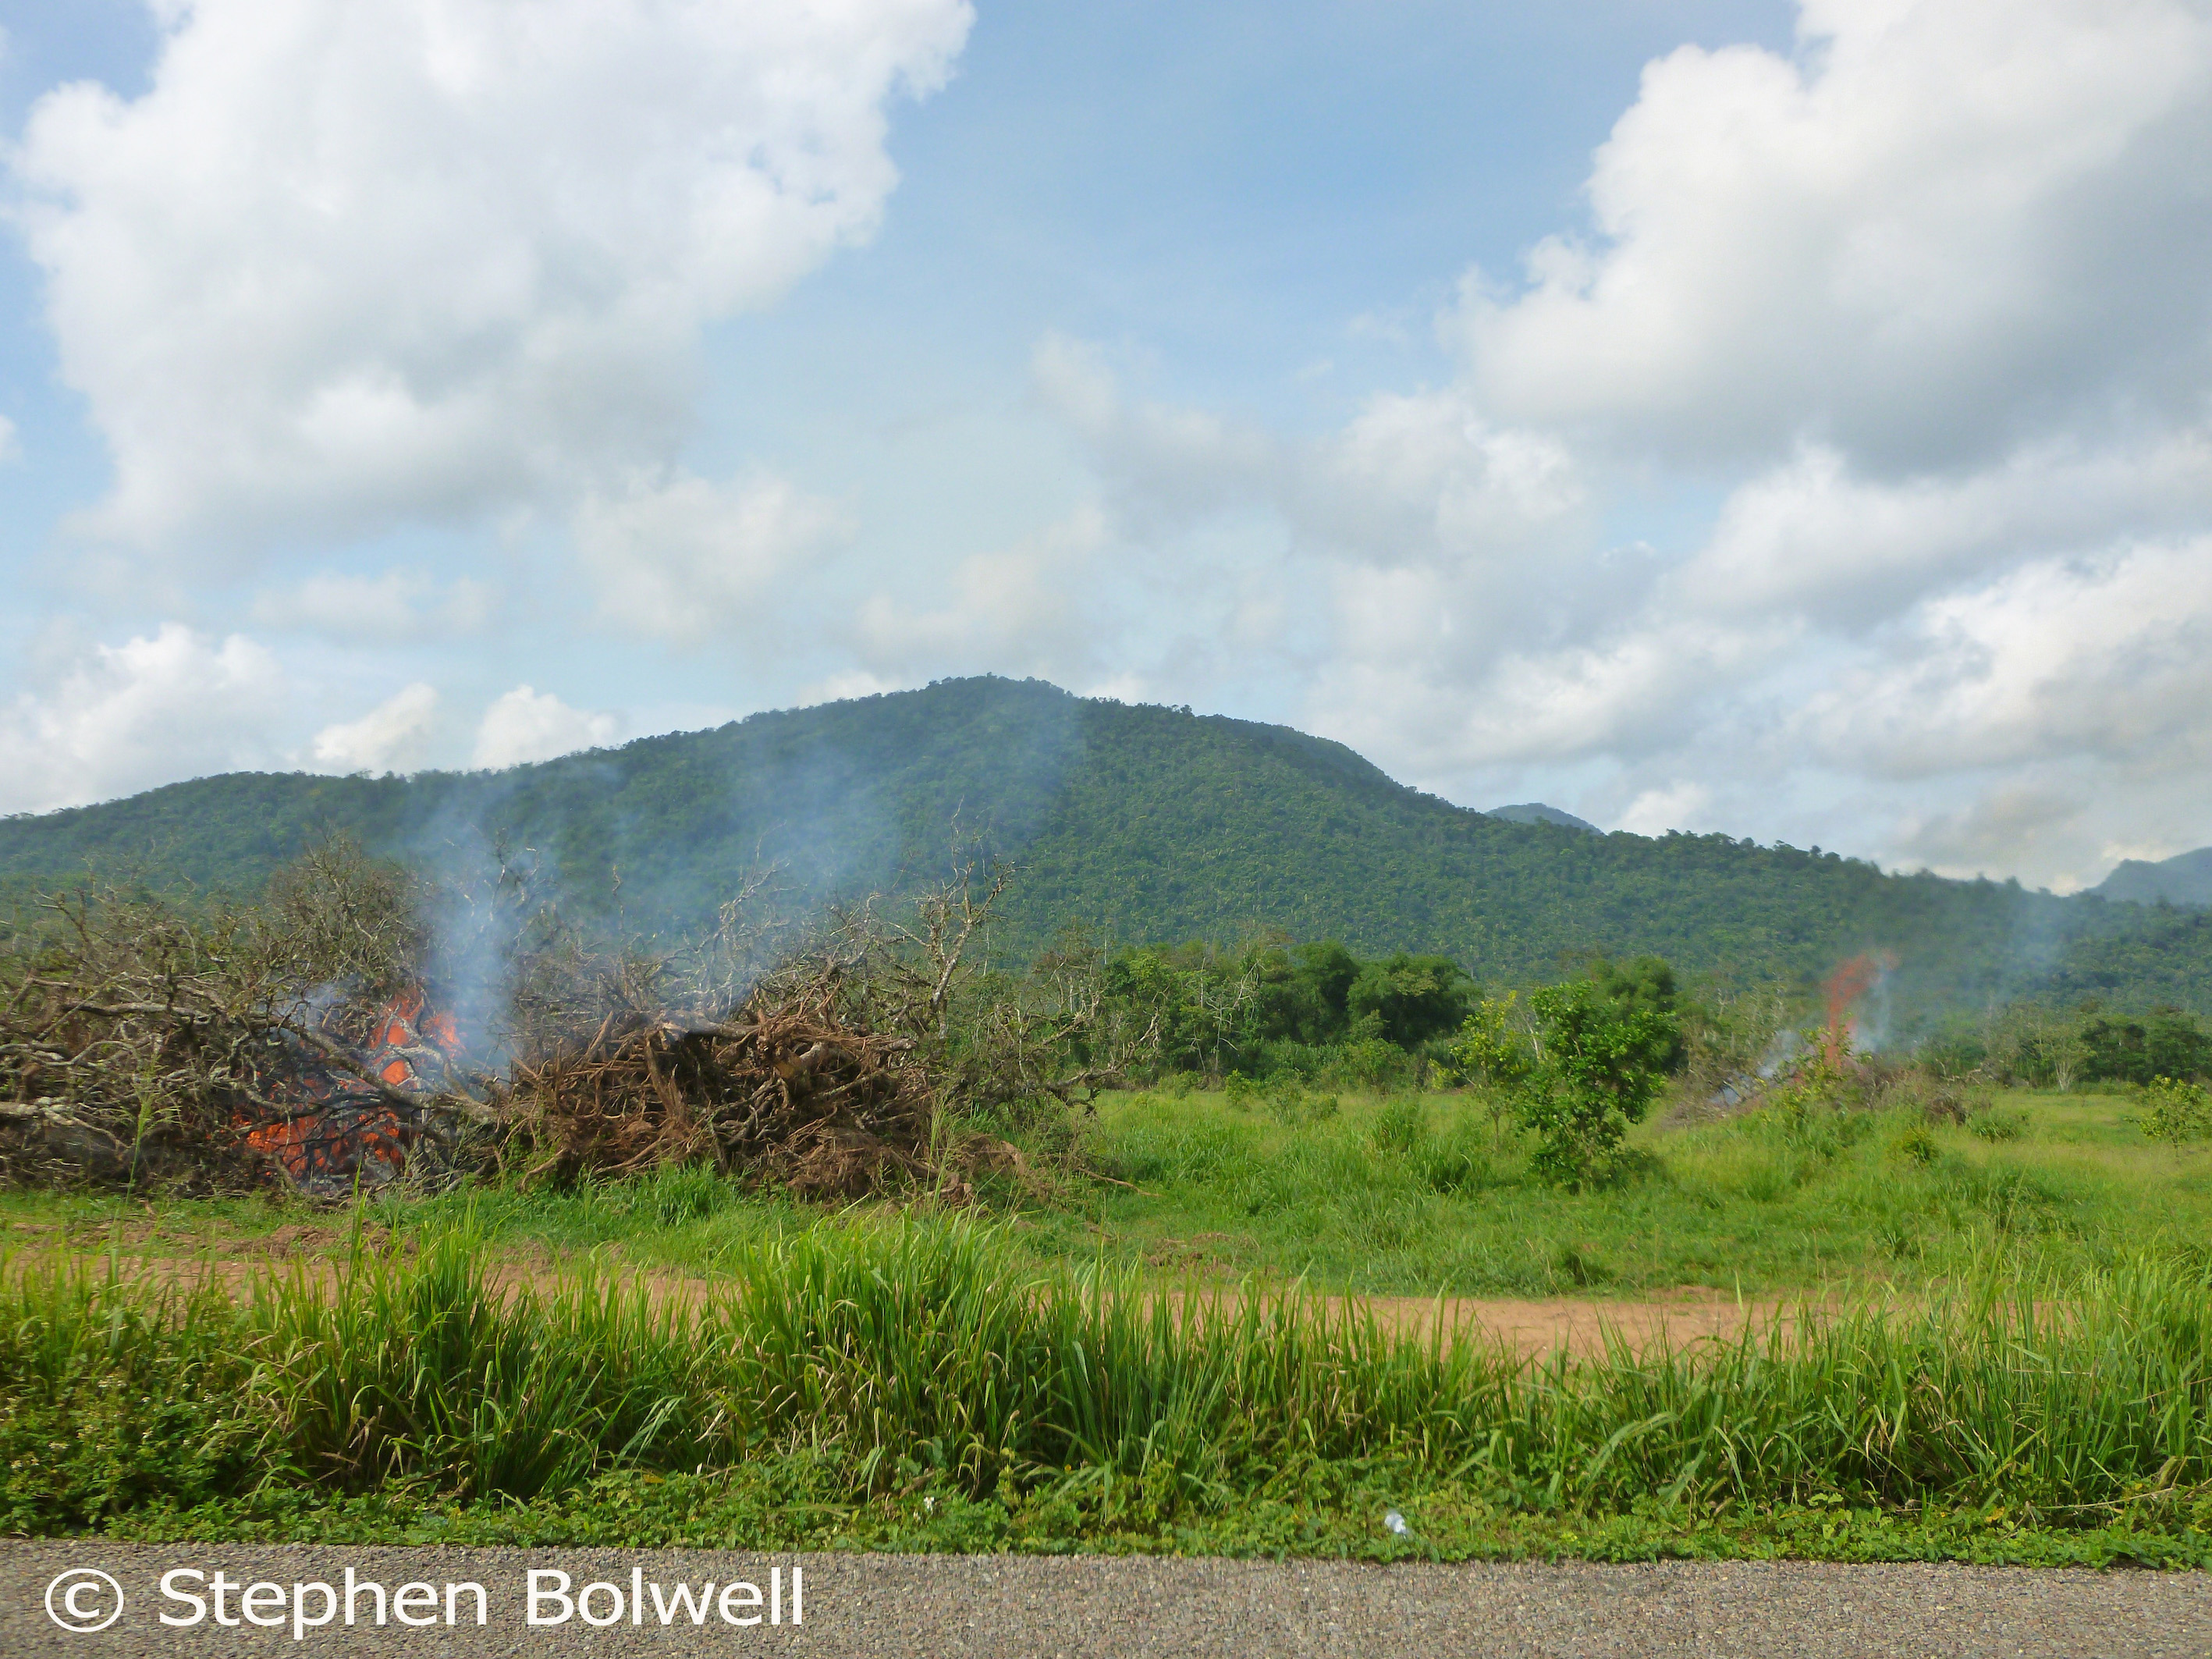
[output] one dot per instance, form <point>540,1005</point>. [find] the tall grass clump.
<point>2070,1401</point>
<point>426,1368</point>
<point>111,1397</point>
<point>928,1343</point>
<point>901,1354</point>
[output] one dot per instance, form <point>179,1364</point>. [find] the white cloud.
<point>677,556</point>
<point>1811,538</point>
<point>1399,686</point>
<point>1683,806</point>
<point>1426,475</point>
<point>526,725</point>
<point>2006,827</point>
<point>1939,229</point>
<point>124,718</point>
<point>347,263</point>
<point>398,606</point>
<point>1164,463</point>
<point>10,448</point>
<point>2106,659</point>
<point>838,688</point>
<point>1411,476</point>
<point>392,737</point>
<point>1438,538</point>
<point>1918,309</point>
<point>1014,610</point>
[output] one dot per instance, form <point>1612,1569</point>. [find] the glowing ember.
<point>329,1129</point>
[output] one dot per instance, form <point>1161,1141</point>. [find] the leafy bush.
<point>2176,1112</point>
<point>2166,1043</point>
<point>1647,984</point>
<point>1371,1062</point>
<point>1410,998</point>
<point>1601,1062</point>
<point>2033,1043</point>
<point>1495,1044</point>
<point>1292,1105</point>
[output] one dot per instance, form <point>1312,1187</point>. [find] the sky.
<point>1784,420</point>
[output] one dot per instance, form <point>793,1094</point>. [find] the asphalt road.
<point>936,1606</point>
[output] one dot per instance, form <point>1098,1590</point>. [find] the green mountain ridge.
<point>2184,878</point>
<point>1144,823</point>
<point>1536,812</point>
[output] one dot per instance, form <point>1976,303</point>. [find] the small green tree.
<point>2176,1111</point>
<point>1410,998</point>
<point>1599,1063</point>
<point>1495,1048</point>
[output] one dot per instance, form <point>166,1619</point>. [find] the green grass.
<point>1409,1196</point>
<point>682,1218</point>
<point>890,1384</point>
<point>1765,1203</point>
<point>2014,1362</point>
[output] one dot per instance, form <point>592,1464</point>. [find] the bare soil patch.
<point>1537,1327</point>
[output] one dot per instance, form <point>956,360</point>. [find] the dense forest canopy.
<point>1147,825</point>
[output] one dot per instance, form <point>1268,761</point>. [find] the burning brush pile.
<point>785,1089</point>
<point>312,1042</point>
<point>828,1073</point>
<point>214,1047</point>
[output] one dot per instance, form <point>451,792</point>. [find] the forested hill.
<point>1148,824</point>
<point>2185,879</point>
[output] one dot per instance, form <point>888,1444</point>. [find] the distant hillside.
<point>2184,878</point>
<point>1145,823</point>
<point>1536,812</point>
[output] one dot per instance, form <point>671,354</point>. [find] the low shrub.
<point>1914,1144</point>
<point>2175,1111</point>
<point>1373,1063</point>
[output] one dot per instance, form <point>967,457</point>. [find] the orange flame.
<point>1851,981</point>
<point>336,1128</point>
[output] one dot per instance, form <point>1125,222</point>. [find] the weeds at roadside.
<point>864,1366</point>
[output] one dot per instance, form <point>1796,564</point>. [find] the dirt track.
<point>950,1606</point>
<point>1537,1327</point>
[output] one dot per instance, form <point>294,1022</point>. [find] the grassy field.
<point>2012,1356</point>
<point>1401,1197</point>
<point>1415,1197</point>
